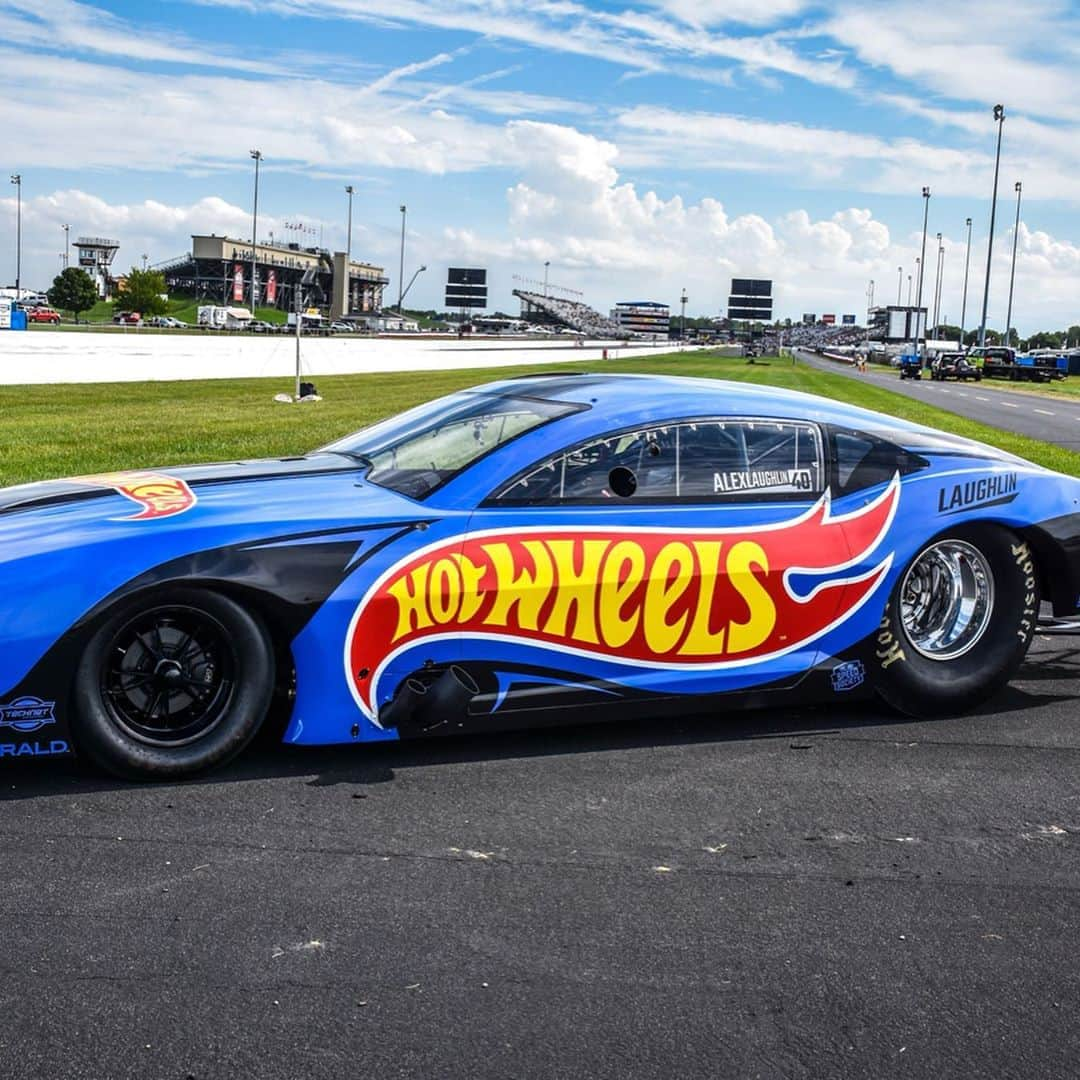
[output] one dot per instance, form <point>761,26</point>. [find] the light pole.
<point>909,290</point>
<point>922,266</point>
<point>937,282</point>
<point>348,254</point>
<point>16,179</point>
<point>899,284</point>
<point>145,259</point>
<point>967,263</point>
<point>682,322</point>
<point>257,158</point>
<point>67,245</point>
<point>401,263</point>
<point>1012,272</point>
<point>410,285</point>
<point>999,117</point>
<point>546,265</point>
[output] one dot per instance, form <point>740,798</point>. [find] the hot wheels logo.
<point>708,599</point>
<point>159,495</point>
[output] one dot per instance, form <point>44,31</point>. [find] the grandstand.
<point>541,310</point>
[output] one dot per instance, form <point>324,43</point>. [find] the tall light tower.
<point>67,245</point>
<point>682,322</point>
<point>401,263</point>
<point>899,284</point>
<point>967,264</point>
<point>256,156</point>
<point>999,117</point>
<point>547,264</point>
<point>909,290</point>
<point>16,179</point>
<point>922,264</point>
<point>1012,272</point>
<point>348,253</point>
<point>937,281</point>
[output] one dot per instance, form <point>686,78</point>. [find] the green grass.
<point>50,431</point>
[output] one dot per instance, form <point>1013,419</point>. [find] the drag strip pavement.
<point>1054,420</point>
<point>795,893</point>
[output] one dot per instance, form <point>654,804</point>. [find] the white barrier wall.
<point>36,357</point>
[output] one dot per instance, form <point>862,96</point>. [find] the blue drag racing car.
<point>541,549</point>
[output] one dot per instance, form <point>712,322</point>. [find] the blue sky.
<point>640,147</point>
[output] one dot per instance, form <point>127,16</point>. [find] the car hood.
<point>206,505</point>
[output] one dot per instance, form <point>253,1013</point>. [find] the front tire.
<point>173,685</point>
<point>959,622</point>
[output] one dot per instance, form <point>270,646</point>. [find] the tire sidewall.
<point>98,735</point>
<point>918,685</point>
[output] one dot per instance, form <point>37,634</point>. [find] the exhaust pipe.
<point>423,710</point>
<point>405,701</point>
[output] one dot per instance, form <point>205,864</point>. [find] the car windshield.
<point>418,451</point>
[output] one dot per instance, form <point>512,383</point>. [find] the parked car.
<point>954,366</point>
<point>339,327</point>
<point>128,318</point>
<point>260,326</point>
<point>540,549</point>
<point>42,315</point>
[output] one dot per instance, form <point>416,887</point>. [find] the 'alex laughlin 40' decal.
<point>707,599</point>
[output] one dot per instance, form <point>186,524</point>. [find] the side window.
<point>694,461</point>
<point>863,460</point>
<point>644,459</point>
<point>763,458</point>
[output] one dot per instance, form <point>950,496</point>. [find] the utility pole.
<point>682,324</point>
<point>999,117</point>
<point>348,253</point>
<point>937,282</point>
<point>967,264</point>
<point>67,245</point>
<point>16,179</point>
<point>257,157</point>
<point>922,269</point>
<point>401,264</point>
<point>1012,272</point>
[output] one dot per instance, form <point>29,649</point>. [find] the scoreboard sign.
<point>849,320</point>
<point>829,320</point>
<point>750,298</point>
<point>466,287</point>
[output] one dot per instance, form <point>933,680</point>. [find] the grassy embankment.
<point>49,431</point>
<point>184,308</point>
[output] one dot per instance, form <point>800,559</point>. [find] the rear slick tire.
<point>172,685</point>
<point>959,621</point>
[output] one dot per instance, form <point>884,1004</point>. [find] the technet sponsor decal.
<point>26,715</point>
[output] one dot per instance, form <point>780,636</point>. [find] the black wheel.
<point>959,621</point>
<point>173,685</point>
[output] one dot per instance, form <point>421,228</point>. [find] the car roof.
<point>612,396</point>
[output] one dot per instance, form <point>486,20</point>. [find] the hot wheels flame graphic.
<point>697,598</point>
<point>159,495</point>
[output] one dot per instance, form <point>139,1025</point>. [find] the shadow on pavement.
<point>377,763</point>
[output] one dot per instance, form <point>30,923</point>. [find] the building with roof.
<point>642,318</point>
<point>219,270</point>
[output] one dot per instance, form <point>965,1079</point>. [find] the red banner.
<point>828,320</point>
<point>238,283</point>
<point>271,288</point>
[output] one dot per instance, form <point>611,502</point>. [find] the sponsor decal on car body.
<point>972,494</point>
<point>27,714</point>
<point>646,597</point>
<point>159,495</point>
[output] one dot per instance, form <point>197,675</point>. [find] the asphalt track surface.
<point>1054,420</point>
<point>825,893</point>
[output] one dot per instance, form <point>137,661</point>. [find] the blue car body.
<point>366,589</point>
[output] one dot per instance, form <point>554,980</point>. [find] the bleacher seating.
<point>572,314</point>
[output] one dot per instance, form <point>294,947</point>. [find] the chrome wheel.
<point>947,599</point>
